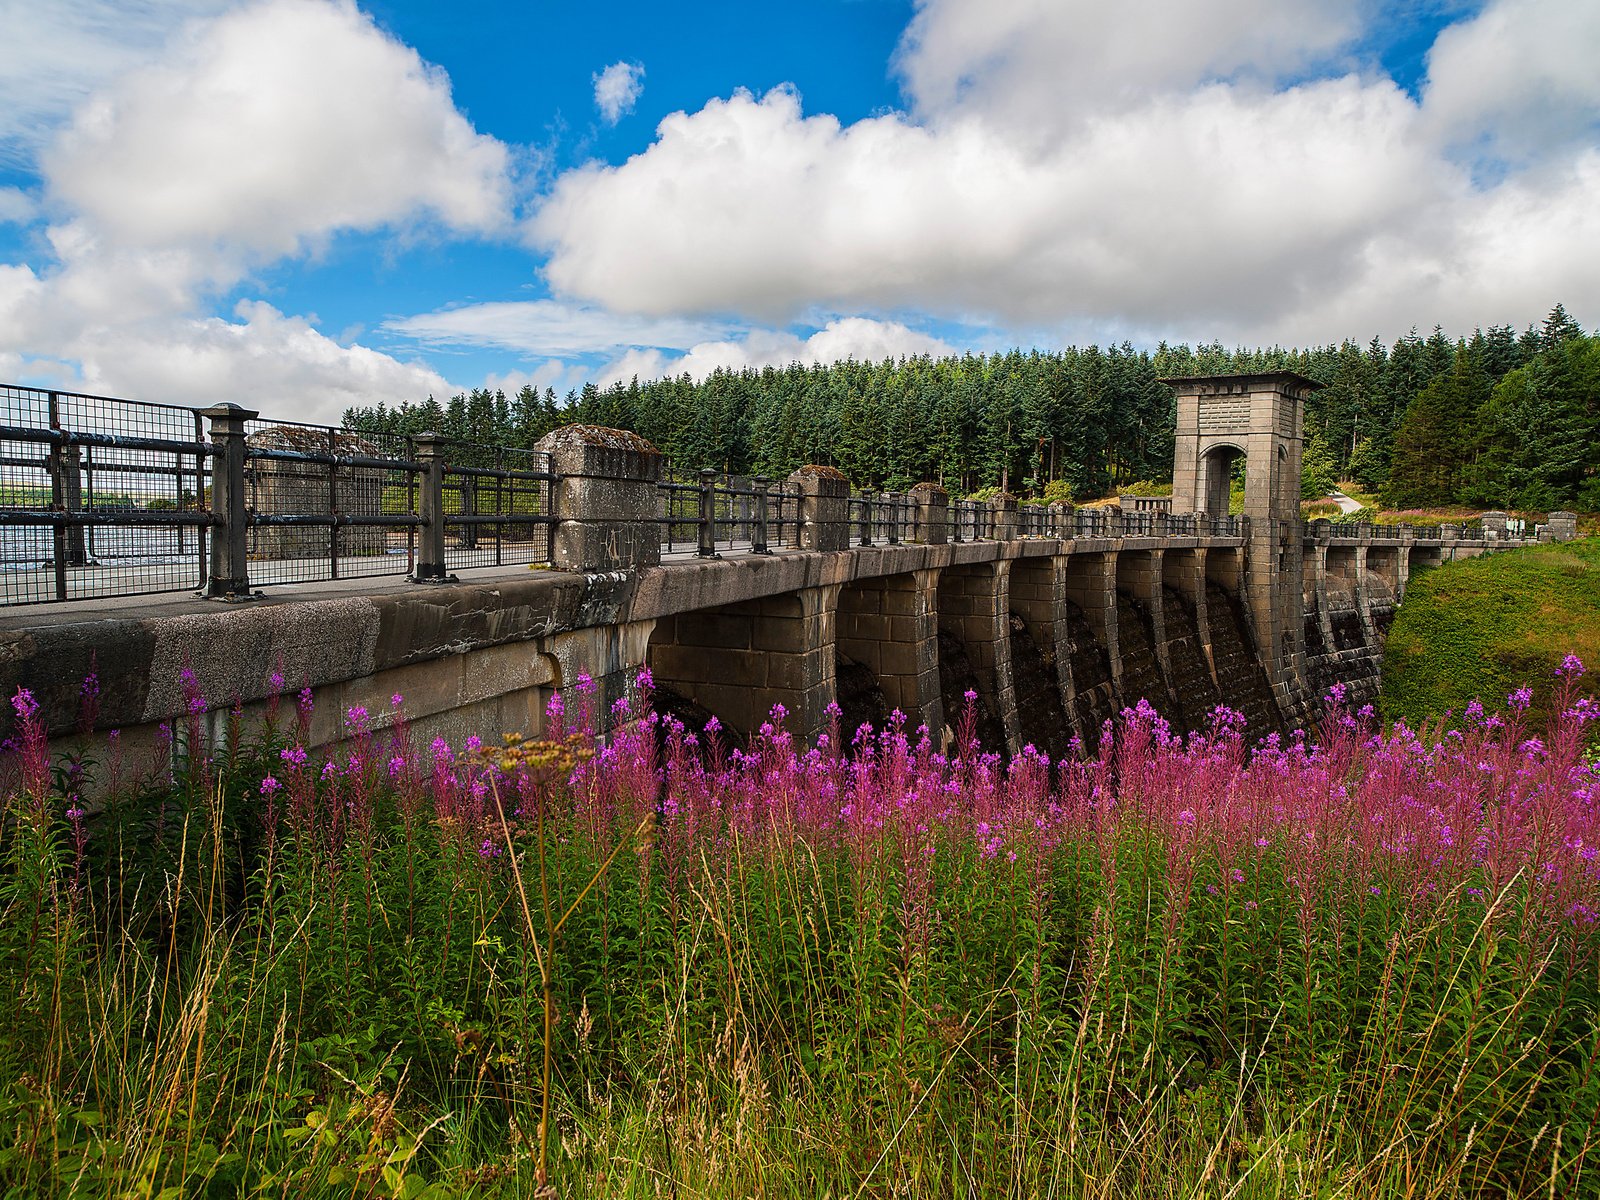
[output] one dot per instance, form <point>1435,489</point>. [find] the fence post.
<point>430,507</point>
<point>708,513</point>
<point>758,531</point>
<point>230,541</point>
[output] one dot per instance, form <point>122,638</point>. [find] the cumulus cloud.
<point>860,338</point>
<point>263,132</point>
<point>1163,167</point>
<point>616,90</point>
<point>1035,67</point>
<point>254,137</point>
<point>277,364</point>
<point>1518,82</point>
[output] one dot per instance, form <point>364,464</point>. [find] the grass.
<point>1477,629</point>
<point>1168,969</point>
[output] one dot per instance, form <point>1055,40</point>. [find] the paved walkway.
<point>1346,505</point>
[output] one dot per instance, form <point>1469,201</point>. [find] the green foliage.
<point>1318,469</point>
<point>1478,628</point>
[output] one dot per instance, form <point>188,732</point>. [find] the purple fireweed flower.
<point>1571,665</point>
<point>585,683</point>
<point>270,786</point>
<point>488,848</point>
<point>275,681</point>
<point>397,766</point>
<point>294,757</point>
<point>1519,700</point>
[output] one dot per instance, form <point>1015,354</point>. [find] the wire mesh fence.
<point>99,496</point>
<point>328,503</point>
<point>497,506</point>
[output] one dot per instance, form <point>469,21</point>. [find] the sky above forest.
<point>307,204</point>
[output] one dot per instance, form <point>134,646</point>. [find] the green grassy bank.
<point>1483,627</point>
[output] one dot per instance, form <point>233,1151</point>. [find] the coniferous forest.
<point>1499,419</point>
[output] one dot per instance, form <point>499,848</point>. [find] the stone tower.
<point>1262,418</point>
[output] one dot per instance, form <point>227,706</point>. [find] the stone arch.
<point>887,640</point>
<point>1215,485</point>
<point>738,660</point>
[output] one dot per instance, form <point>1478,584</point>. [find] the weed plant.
<point>1349,965</point>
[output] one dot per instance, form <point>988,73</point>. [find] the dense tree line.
<point>1479,419</point>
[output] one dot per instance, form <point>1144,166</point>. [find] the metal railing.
<point>710,512</point>
<point>881,518</point>
<point>497,506</point>
<point>108,497</point>
<point>97,492</point>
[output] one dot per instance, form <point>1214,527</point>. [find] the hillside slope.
<point>1485,626</point>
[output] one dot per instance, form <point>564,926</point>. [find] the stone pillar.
<point>1495,526</point>
<point>824,508</point>
<point>890,625</point>
<point>975,606</point>
<point>1563,526</point>
<point>1061,519</point>
<point>1003,517</point>
<point>230,570</point>
<point>932,508</point>
<point>604,498</point>
<point>1091,583</point>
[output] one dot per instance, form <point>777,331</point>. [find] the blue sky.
<point>306,204</point>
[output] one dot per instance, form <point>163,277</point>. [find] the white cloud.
<point>750,206</point>
<point>16,206</point>
<point>277,364</point>
<point>260,134</point>
<point>548,327</point>
<point>851,337</point>
<point>617,89</point>
<point>1038,66</point>
<point>252,138</point>
<point>1519,80</point>
<point>1150,167</point>
<point>57,53</point>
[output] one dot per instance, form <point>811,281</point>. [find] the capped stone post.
<point>1495,526</point>
<point>604,498</point>
<point>1003,517</point>
<point>1563,526</point>
<point>824,507</point>
<point>932,506</point>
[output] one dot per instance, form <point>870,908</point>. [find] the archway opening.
<point>1222,480</point>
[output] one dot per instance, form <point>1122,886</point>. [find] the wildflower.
<point>294,757</point>
<point>489,849</point>
<point>397,766</point>
<point>1519,700</point>
<point>1238,875</point>
<point>270,786</point>
<point>1186,817</point>
<point>1570,665</point>
<point>396,700</point>
<point>585,683</point>
<point>356,717</point>
<point>644,681</point>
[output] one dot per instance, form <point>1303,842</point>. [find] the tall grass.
<point>1344,966</point>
